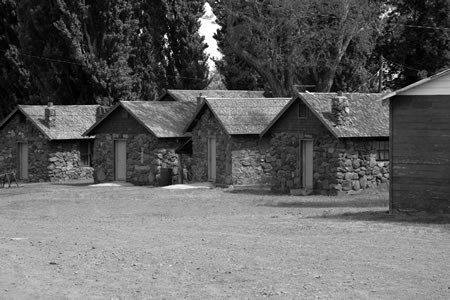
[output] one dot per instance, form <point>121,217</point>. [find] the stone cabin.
<point>193,95</point>
<point>329,143</point>
<point>226,144</point>
<point>45,143</point>
<point>136,142</point>
<point>420,145</point>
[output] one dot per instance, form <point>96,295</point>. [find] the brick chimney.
<point>340,110</point>
<point>50,115</point>
<point>200,99</point>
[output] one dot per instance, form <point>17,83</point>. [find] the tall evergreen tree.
<point>179,48</point>
<point>80,49</point>
<point>85,51</point>
<point>187,61</point>
<point>15,87</point>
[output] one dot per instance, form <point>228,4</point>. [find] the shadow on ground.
<point>252,192</point>
<point>330,203</point>
<point>385,216</point>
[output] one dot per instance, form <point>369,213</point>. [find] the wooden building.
<point>329,143</point>
<point>45,143</point>
<point>420,145</point>
<point>136,142</point>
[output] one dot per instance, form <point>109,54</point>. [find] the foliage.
<point>85,51</point>
<point>14,75</point>
<point>416,40</point>
<point>291,42</point>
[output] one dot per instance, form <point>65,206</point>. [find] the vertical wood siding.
<point>420,153</point>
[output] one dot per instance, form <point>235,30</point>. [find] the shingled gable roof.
<point>191,95</point>
<point>70,123</point>
<point>417,84</point>
<point>241,116</point>
<point>368,117</point>
<point>163,119</point>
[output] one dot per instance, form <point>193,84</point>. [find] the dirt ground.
<point>81,242</point>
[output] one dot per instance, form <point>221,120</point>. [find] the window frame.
<point>86,157</point>
<point>382,150</point>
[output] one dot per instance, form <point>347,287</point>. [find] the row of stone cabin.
<point>313,142</point>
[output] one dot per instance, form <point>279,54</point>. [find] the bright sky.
<point>207,29</point>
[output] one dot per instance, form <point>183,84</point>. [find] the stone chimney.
<point>340,110</point>
<point>50,115</point>
<point>200,99</point>
<point>104,104</point>
<point>101,111</point>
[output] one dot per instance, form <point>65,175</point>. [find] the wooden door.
<point>120,160</point>
<point>307,158</point>
<point>23,161</point>
<point>212,159</point>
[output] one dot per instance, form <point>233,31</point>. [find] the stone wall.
<point>338,166</point>
<point>47,161</point>
<point>64,162</point>
<point>146,157</point>
<point>240,160</point>
<point>250,161</point>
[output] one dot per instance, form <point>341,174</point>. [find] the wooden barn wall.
<point>420,126</point>
<point>117,123</point>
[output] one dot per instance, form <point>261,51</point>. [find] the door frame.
<point>21,159</point>
<point>212,159</point>
<point>116,157</point>
<point>307,163</point>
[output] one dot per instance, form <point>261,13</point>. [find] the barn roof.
<point>70,123</point>
<point>368,117</point>
<point>163,119</point>
<point>437,89</point>
<point>191,95</point>
<point>242,115</point>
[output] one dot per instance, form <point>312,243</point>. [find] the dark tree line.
<point>86,52</point>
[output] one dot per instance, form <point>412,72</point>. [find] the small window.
<point>86,154</point>
<point>382,150</point>
<point>303,111</point>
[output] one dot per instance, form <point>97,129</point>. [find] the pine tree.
<point>15,85</point>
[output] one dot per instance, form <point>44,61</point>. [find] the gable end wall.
<point>339,165</point>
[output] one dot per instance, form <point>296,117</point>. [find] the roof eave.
<point>318,116</point>
<point>285,108</point>
<point>138,120</point>
<point>8,117</point>
<point>88,132</point>
<point>35,124</point>
<point>415,84</point>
